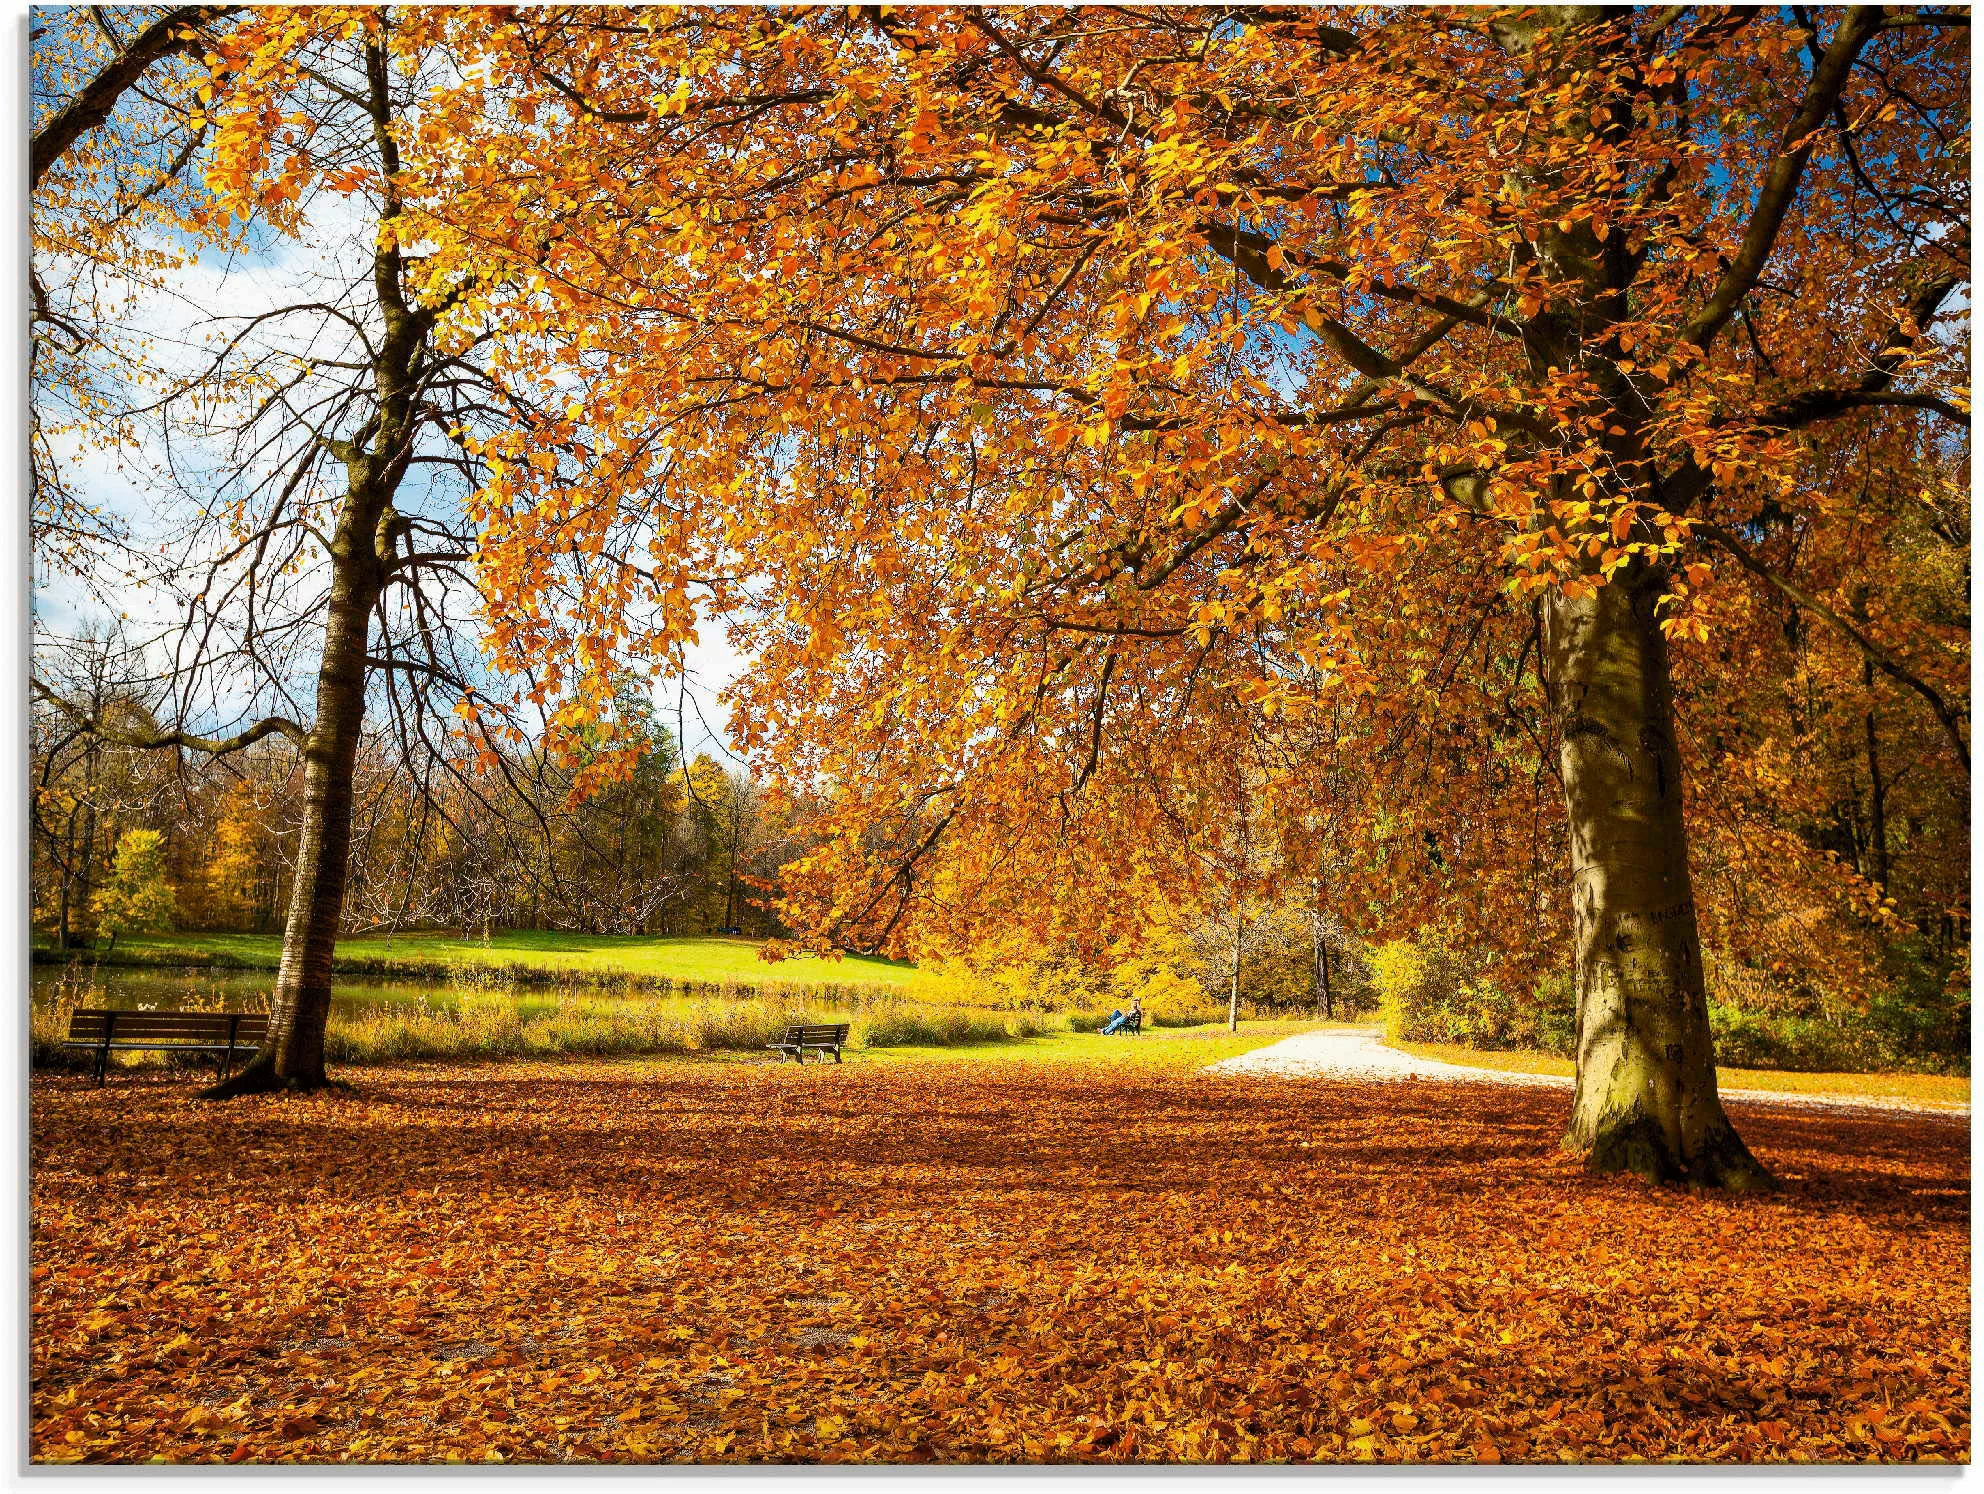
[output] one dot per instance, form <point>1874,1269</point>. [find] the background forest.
<point>1852,952</point>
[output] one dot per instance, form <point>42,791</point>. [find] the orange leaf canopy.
<point>1102,428</point>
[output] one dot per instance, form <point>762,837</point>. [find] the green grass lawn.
<point>688,959</point>
<point>1932,1089</point>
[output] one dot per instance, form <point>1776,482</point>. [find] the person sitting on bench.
<point>1131,1021</point>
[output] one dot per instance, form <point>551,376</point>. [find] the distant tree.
<point>136,899</point>
<point>724,819</point>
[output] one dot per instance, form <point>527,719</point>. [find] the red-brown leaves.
<point>650,1261</point>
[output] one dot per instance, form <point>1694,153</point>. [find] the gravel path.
<point>1358,1053</point>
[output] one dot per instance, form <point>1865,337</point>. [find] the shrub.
<point>135,899</point>
<point>1430,993</point>
<point>1398,972</point>
<point>932,1027</point>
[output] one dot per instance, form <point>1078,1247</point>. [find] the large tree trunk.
<point>1646,1097</point>
<point>300,1009</point>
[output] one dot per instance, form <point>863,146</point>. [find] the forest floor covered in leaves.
<point>652,1260</point>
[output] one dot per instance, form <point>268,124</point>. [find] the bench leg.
<point>836,1055</point>
<point>102,1062</point>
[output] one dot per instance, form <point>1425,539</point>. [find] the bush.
<point>1430,993</point>
<point>1398,973</point>
<point>135,898</point>
<point>933,1027</point>
<point>1853,1042</point>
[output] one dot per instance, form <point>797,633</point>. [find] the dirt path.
<point>1360,1053</point>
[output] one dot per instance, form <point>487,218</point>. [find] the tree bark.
<point>63,937</point>
<point>86,868</point>
<point>1877,787</point>
<point>1646,1098</point>
<point>292,1057</point>
<point>1320,953</point>
<point>1877,795</point>
<point>1233,996</point>
<point>1323,978</point>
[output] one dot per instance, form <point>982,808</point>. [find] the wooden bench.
<point>822,1037</point>
<point>223,1034</point>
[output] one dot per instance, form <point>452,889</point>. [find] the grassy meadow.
<point>478,1025</point>
<point>531,995</point>
<point>514,953</point>
<point>525,994</point>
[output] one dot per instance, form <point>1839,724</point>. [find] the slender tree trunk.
<point>292,1057</point>
<point>62,933</point>
<point>1323,977</point>
<point>85,869</point>
<point>1233,996</point>
<point>1646,1098</point>
<point>1877,786</point>
<point>1877,795</point>
<point>1320,953</point>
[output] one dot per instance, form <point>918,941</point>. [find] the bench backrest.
<point>804,1034</point>
<point>95,1026</point>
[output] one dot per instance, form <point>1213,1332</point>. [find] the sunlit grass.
<point>884,1027</point>
<point>479,1025</point>
<point>689,960</point>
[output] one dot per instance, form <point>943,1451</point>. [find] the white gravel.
<point>1359,1053</point>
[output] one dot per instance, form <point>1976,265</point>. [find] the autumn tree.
<point>316,554</point>
<point>615,862</point>
<point>135,897</point>
<point>116,120</point>
<point>1029,388</point>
